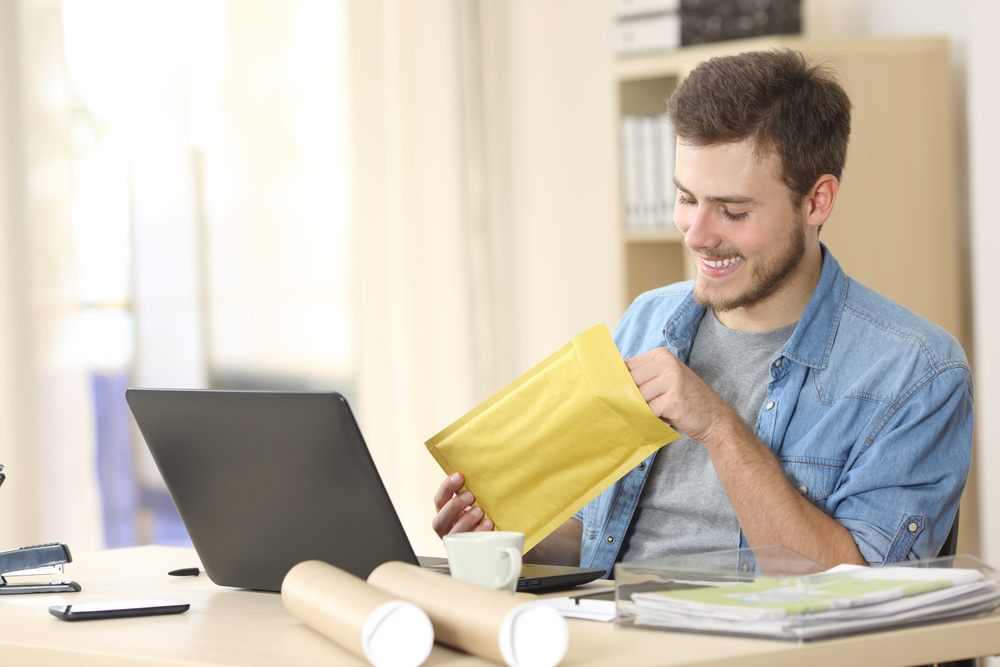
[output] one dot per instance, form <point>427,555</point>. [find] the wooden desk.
<point>238,627</point>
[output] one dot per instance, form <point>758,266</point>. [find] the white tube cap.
<point>397,634</point>
<point>533,635</point>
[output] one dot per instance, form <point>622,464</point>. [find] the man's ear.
<point>819,200</point>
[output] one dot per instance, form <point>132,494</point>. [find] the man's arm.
<point>455,514</point>
<point>770,510</point>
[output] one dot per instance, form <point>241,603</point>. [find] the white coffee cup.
<point>490,559</point>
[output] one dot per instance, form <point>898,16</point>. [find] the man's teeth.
<point>723,263</point>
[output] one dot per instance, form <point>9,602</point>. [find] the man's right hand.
<point>455,513</point>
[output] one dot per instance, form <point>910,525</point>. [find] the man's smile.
<point>721,263</point>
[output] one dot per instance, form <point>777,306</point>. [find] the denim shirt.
<point>868,410</point>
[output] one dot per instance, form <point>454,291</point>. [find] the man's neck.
<point>783,307</point>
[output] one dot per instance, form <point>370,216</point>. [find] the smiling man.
<point>815,412</point>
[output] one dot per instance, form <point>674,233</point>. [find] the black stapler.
<point>40,559</point>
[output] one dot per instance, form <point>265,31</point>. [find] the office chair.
<point>948,549</point>
<point>950,546</point>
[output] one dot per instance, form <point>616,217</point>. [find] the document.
<point>842,600</point>
<point>544,446</point>
<point>576,607</point>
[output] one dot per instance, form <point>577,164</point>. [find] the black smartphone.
<point>122,609</point>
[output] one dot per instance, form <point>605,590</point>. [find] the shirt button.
<point>642,465</point>
<point>611,539</point>
<point>770,404</point>
<point>777,364</point>
<point>804,489</point>
<point>912,527</point>
<point>746,567</point>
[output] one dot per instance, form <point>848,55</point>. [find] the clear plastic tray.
<point>803,599</point>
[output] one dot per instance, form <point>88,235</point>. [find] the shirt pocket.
<point>813,478</point>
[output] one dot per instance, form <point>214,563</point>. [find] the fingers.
<point>470,520</point>
<point>449,487</point>
<point>451,512</point>
<point>463,520</point>
<point>484,526</point>
<point>652,364</point>
<point>657,374</point>
<point>647,357</point>
<point>455,512</point>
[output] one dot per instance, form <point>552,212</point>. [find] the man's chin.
<point>718,303</point>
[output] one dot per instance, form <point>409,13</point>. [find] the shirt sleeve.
<point>900,495</point>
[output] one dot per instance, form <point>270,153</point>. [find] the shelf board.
<point>681,61</point>
<point>653,236</point>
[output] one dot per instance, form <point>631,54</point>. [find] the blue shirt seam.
<point>925,381</point>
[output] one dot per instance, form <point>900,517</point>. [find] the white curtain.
<point>482,182</point>
<point>46,418</point>
<point>484,208</point>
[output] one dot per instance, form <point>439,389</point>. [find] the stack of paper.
<point>582,607</point>
<point>842,600</point>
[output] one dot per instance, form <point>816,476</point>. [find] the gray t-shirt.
<point>683,508</point>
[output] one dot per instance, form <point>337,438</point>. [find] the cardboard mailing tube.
<point>372,624</point>
<point>491,624</point>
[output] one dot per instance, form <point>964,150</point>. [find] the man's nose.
<point>701,233</point>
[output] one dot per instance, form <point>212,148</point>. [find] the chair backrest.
<point>950,545</point>
<point>949,548</point>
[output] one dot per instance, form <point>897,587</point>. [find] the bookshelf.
<point>895,226</point>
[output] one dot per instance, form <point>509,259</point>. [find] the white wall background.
<point>984,174</point>
<point>972,26</point>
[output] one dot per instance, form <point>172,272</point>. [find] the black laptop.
<point>265,480</point>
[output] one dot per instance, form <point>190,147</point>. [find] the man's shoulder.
<point>666,298</point>
<point>889,349</point>
<point>864,308</point>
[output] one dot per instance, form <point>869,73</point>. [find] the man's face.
<point>738,222</point>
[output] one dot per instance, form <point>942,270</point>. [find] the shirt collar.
<point>812,340</point>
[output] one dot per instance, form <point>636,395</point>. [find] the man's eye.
<point>736,217</point>
<point>681,199</point>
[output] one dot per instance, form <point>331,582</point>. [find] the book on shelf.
<point>648,153</point>
<point>705,21</point>
<point>647,34</point>
<point>649,26</point>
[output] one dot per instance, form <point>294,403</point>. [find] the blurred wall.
<point>971,27</point>
<point>984,174</point>
<point>484,209</point>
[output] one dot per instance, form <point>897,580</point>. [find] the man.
<point>816,413</point>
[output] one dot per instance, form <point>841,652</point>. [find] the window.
<point>211,215</point>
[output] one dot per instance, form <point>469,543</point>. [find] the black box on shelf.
<point>704,21</point>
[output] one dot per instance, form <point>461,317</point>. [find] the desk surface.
<point>238,627</point>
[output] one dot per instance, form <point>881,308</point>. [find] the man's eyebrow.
<point>722,199</point>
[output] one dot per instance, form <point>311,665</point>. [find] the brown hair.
<point>778,100</point>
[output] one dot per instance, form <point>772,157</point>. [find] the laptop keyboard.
<point>523,583</point>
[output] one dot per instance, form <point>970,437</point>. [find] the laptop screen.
<point>266,480</point>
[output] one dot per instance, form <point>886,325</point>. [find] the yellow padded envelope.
<point>548,443</point>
